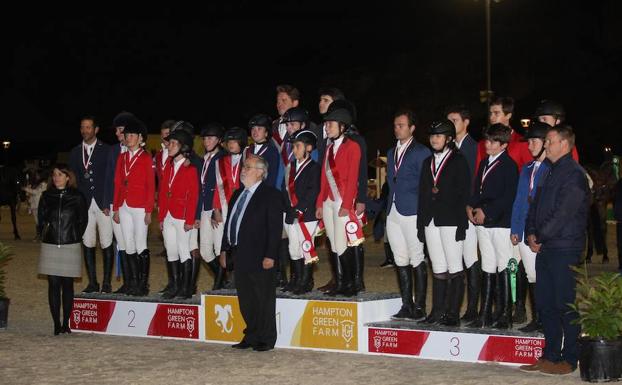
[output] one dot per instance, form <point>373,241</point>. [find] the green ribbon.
<point>513,269</point>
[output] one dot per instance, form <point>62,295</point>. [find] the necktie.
<point>233,232</point>
<point>86,152</point>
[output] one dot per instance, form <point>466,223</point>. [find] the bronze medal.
<point>434,190</point>
<point>125,182</point>
<point>168,194</point>
<point>87,175</point>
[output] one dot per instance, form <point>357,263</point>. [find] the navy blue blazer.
<point>468,148</point>
<point>271,155</point>
<point>95,185</point>
<point>496,195</point>
<point>307,188</point>
<point>404,186</point>
<point>206,197</point>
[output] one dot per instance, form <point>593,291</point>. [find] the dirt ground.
<point>30,354</point>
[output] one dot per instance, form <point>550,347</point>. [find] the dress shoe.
<point>242,345</point>
<point>57,330</point>
<point>557,369</point>
<point>65,329</point>
<point>262,347</point>
<point>537,366</point>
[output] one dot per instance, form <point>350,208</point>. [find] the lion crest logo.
<point>224,318</point>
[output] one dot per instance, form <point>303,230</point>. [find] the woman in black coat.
<point>63,217</point>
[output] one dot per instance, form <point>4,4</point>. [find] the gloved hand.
<point>421,235</point>
<point>460,234</point>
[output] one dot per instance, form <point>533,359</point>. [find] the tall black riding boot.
<point>505,318</point>
<point>176,284</point>
<point>484,319</point>
<point>144,273</point>
<point>359,269</point>
<point>91,272</point>
<point>196,266</point>
<point>347,279</point>
<point>337,286</point>
<point>169,275</point>
<point>132,262</point>
<point>125,273</point>
<point>186,284</point>
<point>405,281</point>
<point>283,262</point>
<point>520,312</point>
<point>295,275</point>
<point>333,260</point>
<point>421,290</point>
<point>474,279</point>
<point>108,253</point>
<point>306,282</point>
<point>439,291</point>
<point>389,260</point>
<point>535,324</point>
<point>455,293</point>
<point>219,273</point>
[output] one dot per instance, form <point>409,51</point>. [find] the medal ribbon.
<point>398,160</point>
<point>87,161</point>
<point>436,174</point>
<point>487,171</point>
<point>132,160</point>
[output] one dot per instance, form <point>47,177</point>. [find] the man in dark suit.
<point>251,238</point>
<point>89,161</point>
<point>461,117</point>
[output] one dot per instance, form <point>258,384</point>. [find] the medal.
<point>87,175</point>
<point>168,194</point>
<point>434,190</point>
<point>397,160</point>
<point>436,172</point>
<point>125,182</point>
<point>352,227</point>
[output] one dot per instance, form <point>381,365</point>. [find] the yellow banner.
<point>327,325</point>
<point>223,320</point>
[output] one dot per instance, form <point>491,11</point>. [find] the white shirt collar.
<point>252,188</point>
<point>89,147</point>
<point>492,158</point>
<point>459,144</point>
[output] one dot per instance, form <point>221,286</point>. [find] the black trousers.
<point>257,298</point>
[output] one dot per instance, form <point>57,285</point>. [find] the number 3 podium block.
<point>453,344</point>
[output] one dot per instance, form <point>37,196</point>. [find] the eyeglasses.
<point>245,167</point>
<point>549,141</point>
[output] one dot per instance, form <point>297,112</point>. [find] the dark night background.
<point>222,63</point>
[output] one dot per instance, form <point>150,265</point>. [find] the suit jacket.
<point>260,230</point>
<point>140,188</point>
<point>496,195</point>
<point>307,187</point>
<point>468,148</point>
<point>447,206</point>
<point>95,185</point>
<point>208,184</point>
<point>180,199</point>
<point>404,191</point>
<point>347,161</point>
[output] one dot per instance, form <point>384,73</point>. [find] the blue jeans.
<point>555,289</point>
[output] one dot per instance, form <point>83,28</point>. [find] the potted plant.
<point>599,305</point>
<point>5,255</point>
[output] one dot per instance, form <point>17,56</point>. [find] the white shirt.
<point>399,148</point>
<point>300,163</point>
<point>492,158</point>
<point>123,148</point>
<point>249,195</point>
<point>459,144</point>
<point>282,129</point>
<point>438,157</point>
<point>336,144</point>
<point>176,165</point>
<point>89,147</point>
<point>235,159</point>
<point>133,152</point>
<point>164,155</point>
<point>258,147</point>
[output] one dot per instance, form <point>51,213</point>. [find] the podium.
<point>313,321</point>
